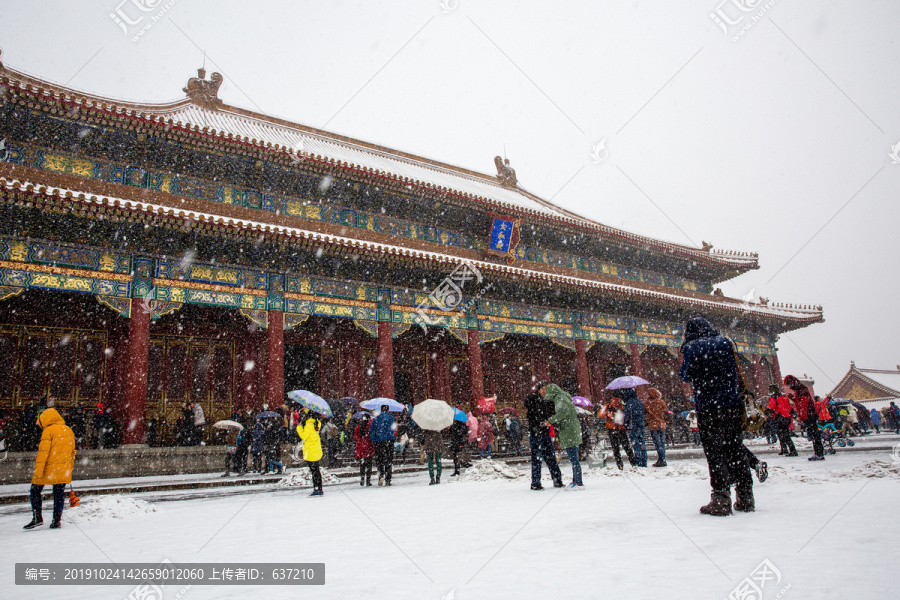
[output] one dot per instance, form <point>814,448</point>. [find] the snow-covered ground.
<point>829,528</point>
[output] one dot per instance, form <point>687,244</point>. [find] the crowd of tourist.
<point>720,417</point>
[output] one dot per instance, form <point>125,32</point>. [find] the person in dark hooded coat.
<point>710,366</point>
<point>539,410</point>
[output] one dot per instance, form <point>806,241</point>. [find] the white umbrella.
<point>433,414</point>
<point>227,424</point>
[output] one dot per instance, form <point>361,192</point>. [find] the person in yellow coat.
<point>308,430</point>
<point>53,466</point>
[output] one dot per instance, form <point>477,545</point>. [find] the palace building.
<point>874,388</point>
<point>152,254</point>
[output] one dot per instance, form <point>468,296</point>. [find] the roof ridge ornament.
<point>505,173</point>
<point>202,91</point>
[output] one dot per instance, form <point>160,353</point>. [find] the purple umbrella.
<point>581,401</point>
<point>628,381</point>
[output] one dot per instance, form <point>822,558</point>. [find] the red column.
<point>598,377</point>
<point>354,381</point>
<point>476,378</point>
<point>249,367</point>
<point>541,366</point>
<point>384,361</point>
<point>638,370</point>
<point>776,368</point>
<point>440,373</point>
<point>581,370</point>
<point>137,362</point>
<point>275,359</point>
<point>756,385</point>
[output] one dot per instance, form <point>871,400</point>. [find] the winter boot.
<point>432,481</point>
<point>380,481</point>
<point>719,504</point>
<point>744,500</point>
<point>55,523</point>
<point>36,520</point>
<point>437,480</point>
<point>659,463</point>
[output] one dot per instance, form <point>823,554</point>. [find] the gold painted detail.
<point>291,320</point>
<point>120,305</point>
<point>398,329</point>
<point>857,392</point>
<point>61,282</point>
<point>215,274</point>
<point>331,310</point>
<point>161,308</point>
<point>18,251</point>
<point>370,327</point>
<point>9,291</point>
<point>487,337</point>
<point>321,299</point>
<point>63,271</point>
<point>209,287</point>
<point>260,317</point>
<point>460,334</point>
<point>216,298</point>
<point>69,165</point>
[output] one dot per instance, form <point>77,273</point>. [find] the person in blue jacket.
<point>635,422</point>
<point>383,431</point>
<point>876,419</point>
<point>710,366</point>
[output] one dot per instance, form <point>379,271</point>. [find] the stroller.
<point>831,434</point>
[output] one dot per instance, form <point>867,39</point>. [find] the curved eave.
<point>139,117</point>
<point>88,205</point>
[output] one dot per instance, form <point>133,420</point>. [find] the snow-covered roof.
<point>229,123</point>
<point>886,379</point>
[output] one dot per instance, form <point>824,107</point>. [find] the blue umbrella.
<point>268,414</point>
<point>459,415</point>
<point>311,401</point>
<point>361,414</point>
<point>683,414</point>
<point>377,403</point>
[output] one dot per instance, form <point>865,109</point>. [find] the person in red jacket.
<point>806,409</point>
<point>365,450</point>
<point>615,427</point>
<point>822,410</point>
<point>780,406</point>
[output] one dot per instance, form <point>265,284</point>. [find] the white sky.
<point>777,143</point>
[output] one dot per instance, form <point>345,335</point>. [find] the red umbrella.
<point>509,411</point>
<point>486,405</point>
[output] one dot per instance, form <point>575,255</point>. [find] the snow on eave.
<point>798,317</point>
<point>285,136</point>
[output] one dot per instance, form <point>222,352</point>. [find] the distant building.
<point>875,388</point>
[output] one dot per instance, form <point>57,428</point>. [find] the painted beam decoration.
<point>166,284</point>
<point>104,170</point>
<point>504,237</point>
